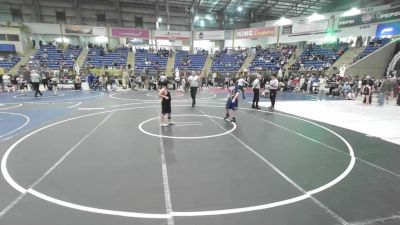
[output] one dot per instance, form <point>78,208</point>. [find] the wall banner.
<point>349,21</point>
<point>172,35</point>
<point>77,29</point>
<point>389,14</point>
<point>209,35</point>
<point>130,33</point>
<point>255,32</point>
<point>286,30</point>
<point>307,27</point>
<point>388,29</point>
<point>99,31</point>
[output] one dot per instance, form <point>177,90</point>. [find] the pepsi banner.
<point>381,16</point>
<point>388,29</point>
<point>349,21</point>
<point>389,14</point>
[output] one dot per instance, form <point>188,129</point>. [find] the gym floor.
<point>102,158</point>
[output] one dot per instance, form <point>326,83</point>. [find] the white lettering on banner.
<point>346,22</point>
<point>174,35</point>
<point>367,10</point>
<point>210,35</point>
<point>388,15</point>
<point>255,32</point>
<point>367,18</point>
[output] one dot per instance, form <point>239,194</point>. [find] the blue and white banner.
<point>388,29</point>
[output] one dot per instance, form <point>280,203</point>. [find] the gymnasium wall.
<point>20,46</point>
<point>374,64</point>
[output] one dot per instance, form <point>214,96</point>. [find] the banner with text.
<point>389,14</point>
<point>349,21</point>
<point>255,32</point>
<point>388,29</point>
<point>80,29</point>
<point>99,31</point>
<point>172,35</point>
<point>209,35</point>
<point>381,16</point>
<point>77,29</point>
<point>306,27</point>
<point>286,30</point>
<point>130,33</point>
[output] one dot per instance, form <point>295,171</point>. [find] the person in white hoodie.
<point>7,82</point>
<point>54,84</point>
<point>242,83</point>
<point>21,84</point>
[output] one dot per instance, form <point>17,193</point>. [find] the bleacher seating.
<point>9,62</point>
<point>98,57</point>
<point>224,62</point>
<point>54,57</point>
<point>320,57</point>
<point>195,61</point>
<point>151,62</point>
<point>373,45</point>
<point>265,60</point>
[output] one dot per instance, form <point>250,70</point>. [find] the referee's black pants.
<point>241,88</point>
<point>272,97</point>
<point>256,97</point>
<point>35,86</point>
<point>398,99</point>
<point>193,91</point>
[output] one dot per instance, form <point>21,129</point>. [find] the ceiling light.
<point>315,17</point>
<point>240,8</point>
<point>352,12</point>
<point>282,22</point>
<point>159,19</point>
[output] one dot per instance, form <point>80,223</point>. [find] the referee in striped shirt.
<point>274,85</point>
<point>256,92</point>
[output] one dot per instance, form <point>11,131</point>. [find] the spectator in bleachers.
<point>7,82</point>
<point>90,80</point>
<point>367,93</point>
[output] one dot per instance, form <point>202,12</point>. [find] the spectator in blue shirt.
<point>90,80</point>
